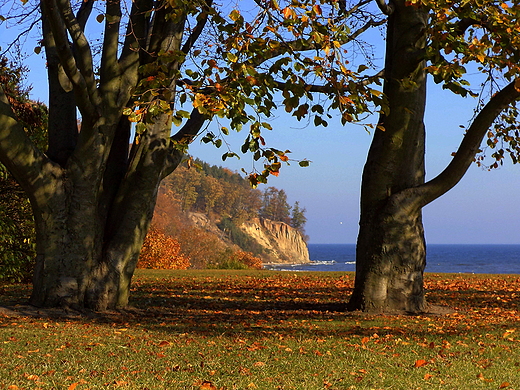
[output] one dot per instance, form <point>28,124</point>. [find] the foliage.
<point>17,235</point>
<point>161,251</point>
<point>214,191</point>
<point>238,237</point>
<point>265,330</point>
<point>275,206</point>
<point>223,194</point>
<point>203,248</point>
<point>230,259</point>
<point>298,218</point>
<point>482,37</point>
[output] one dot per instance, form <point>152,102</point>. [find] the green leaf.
<point>304,163</point>
<point>231,57</point>
<point>140,128</point>
<point>177,121</point>
<point>183,114</point>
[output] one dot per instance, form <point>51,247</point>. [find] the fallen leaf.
<point>207,385</point>
<point>504,385</point>
<point>420,363</point>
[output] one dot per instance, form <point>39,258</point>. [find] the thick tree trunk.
<point>390,257</point>
<point>390,261</point>
<point>89,240</point>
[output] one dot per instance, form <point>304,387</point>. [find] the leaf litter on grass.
<point>267,330</point>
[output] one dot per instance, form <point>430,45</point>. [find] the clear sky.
<point>482,209</point>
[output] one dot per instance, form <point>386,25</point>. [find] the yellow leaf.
<point>517,84</point>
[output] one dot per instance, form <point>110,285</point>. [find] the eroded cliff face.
<point>283,243</point>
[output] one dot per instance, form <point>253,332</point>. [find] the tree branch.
<point>386,8</point>
<point>67,60</point>
<point>84,13</point>
<point>135,42</point>
<point>469,146</point>
<point>330,89</point>
<point>183,137</point>
<point>17,151</point>
<point>109,70</point>
<point>201,23</point>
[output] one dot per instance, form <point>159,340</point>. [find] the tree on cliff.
<point>438,38</point>
<point>275,206</point>
<point>92,198</point>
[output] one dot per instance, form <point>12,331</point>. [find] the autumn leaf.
<point>207,385</point>
<point>503,385</point>
<point>420,363</point>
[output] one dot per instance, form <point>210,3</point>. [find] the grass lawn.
<point>268,330</point>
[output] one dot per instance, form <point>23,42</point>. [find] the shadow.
<point>297,306</point>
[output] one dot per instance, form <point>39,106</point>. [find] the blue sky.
<point>481,209</point>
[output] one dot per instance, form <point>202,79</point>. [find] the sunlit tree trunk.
<point>390,255</point>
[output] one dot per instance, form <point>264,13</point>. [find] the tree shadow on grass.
<point>298,306</point>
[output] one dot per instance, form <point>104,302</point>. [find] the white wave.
<point>323,262</point>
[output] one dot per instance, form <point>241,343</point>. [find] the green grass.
<point>268,330</point>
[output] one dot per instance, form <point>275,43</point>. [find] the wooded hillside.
<point>199,210</point>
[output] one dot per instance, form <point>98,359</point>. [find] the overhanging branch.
<point>469,146</point>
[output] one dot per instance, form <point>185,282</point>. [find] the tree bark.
<point>390,254</point>
<point>391,250</point>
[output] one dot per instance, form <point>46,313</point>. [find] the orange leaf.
<point>164,343</point>
<point>428,376</point>
<point>73,386</point>
<point>207,385</point>
<point>420,363</point>
<point>504,385</point>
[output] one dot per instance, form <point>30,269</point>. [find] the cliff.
<point>283,244</point>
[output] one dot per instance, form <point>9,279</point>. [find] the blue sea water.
<point>479,259</point>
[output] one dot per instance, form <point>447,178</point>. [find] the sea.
<point>440,258</point>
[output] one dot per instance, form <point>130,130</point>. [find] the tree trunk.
<point>390,255</point>
<point>390,261</point>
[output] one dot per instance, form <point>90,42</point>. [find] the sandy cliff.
<point>283,243</point>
